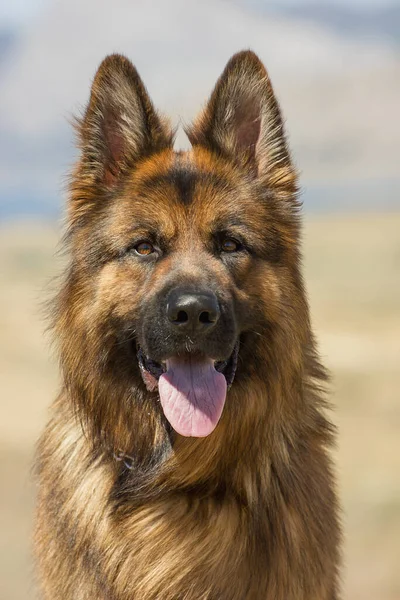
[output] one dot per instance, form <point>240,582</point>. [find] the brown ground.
<point>352,269</point>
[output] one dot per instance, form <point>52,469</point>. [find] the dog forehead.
<point>176,194</point>
<point>192,183</point>
<point>184,175</point>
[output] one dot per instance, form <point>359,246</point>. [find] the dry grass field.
<point>352,268</point>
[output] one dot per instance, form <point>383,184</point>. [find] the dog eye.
<point>144,248</point>
<point>230,245</point>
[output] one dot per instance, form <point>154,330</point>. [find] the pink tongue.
<point>192,395</point>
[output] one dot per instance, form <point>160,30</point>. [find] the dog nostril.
<point>197,312</point>
<point>205,317</point>
<point>181,317</point>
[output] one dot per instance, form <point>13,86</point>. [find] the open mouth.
<point>151,370</point>
<point>192,389</point>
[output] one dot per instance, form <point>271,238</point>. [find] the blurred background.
<point>335,65</point>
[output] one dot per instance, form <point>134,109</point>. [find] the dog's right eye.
<point>230,245</point>
<point>144,248</point>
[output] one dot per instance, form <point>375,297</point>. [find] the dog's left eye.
<point>144,248</point>
<point>230,245</point>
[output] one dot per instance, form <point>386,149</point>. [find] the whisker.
<point>132,335</point>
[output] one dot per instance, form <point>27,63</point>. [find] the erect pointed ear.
<point>243,122</point>
<point>120,124</point>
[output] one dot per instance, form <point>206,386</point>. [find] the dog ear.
<point>120,124</point>
<point>243,122</point>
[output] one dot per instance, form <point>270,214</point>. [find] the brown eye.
<point>230,245</point>
<point>144,248</point>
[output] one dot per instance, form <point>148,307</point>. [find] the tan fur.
<point>249,512</point>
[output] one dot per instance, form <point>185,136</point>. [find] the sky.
<point>339,91</point>
<point>19,12</point>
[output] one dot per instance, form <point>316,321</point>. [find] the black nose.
<point>192,311</point>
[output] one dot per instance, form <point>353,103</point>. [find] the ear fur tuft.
<point>242,121</point>
<point>120,124</point>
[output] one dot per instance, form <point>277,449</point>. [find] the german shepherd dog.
<point>187,456</point>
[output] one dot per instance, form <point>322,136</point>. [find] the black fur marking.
<point>185,179</point>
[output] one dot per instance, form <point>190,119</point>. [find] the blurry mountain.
<point>339,88</point>
<point>7,39</point>
<point>348,19</point>
<point>379,19</point>
<point>8,42</point>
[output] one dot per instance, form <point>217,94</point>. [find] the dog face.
<point>182,262</point>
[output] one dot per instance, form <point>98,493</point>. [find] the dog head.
<point>184,276</point>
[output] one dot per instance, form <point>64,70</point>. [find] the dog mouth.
<point>151,370</point>
<point>192,389</point>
